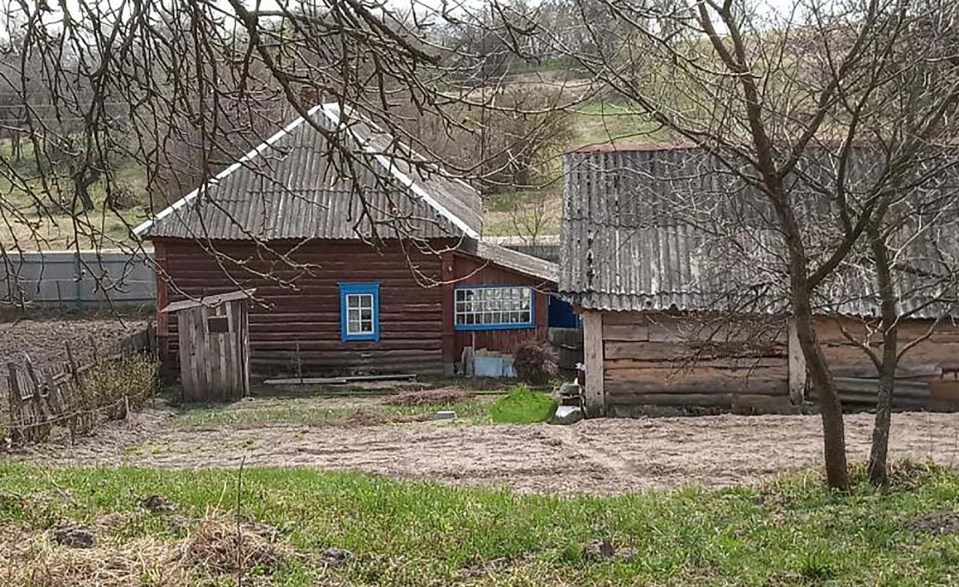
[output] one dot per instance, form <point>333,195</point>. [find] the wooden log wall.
<point>661,360</point>
<point>472,271</point>
<point>302,302</point>
<point>926,377</point>
<point>657,359</point>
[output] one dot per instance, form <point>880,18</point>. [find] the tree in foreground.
<point>835,115</point>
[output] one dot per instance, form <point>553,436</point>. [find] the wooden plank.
<point>693,387</point>
<point>698,373</point>
<point>339,380</point>
<point>675,351</point>
<point>723,363</point>
<point>594,357</point>
<point>701,400</point>
<point>625,318</point>
<point>626,332</point>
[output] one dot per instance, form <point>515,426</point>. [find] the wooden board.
<point>594,357</point>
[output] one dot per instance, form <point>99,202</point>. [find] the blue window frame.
<point>360,311</point>
<point>494,307</point>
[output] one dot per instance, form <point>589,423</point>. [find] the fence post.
<point>74,369</point>
<point>96,352</point>
<point>14,416</point>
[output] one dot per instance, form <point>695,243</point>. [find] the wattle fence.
<point>74,397</point>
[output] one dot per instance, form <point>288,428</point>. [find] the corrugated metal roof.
<point>510,259</point>
<point>673,228</point>
<point>329,177</point>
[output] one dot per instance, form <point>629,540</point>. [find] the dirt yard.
<point>597,457</point>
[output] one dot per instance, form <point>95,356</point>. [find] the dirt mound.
<point>370,418</point>
<point>443,396</point>
<point>940,523</point>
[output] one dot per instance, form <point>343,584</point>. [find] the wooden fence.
<point>56,395</point>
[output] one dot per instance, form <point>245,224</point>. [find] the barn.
<point>365,259</point>
<point>683,302</point>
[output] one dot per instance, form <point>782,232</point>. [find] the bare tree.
<point>783,104</point>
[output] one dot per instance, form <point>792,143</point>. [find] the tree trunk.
<point>833,428</point>
<point>879,450</point>
<point>830,406</point>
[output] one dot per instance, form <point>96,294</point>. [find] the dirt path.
<point>596,456</point>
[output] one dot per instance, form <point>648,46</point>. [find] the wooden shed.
<point>213,335</point>
<point>668,258</point>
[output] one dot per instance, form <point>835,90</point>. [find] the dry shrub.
<point>219,546</point>
<point>214,547</point>
<point>106,385</point>
<point>443,396</point>
<point>32,558</point>
<point>535,362</point>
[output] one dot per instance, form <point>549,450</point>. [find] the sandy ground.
<point>597,456</point>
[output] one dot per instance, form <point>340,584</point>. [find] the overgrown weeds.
<point>113,386</point>
<point>522,406</point>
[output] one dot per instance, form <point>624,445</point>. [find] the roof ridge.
<point>383,160</point>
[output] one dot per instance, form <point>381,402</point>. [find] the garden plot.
<point>595,457</point>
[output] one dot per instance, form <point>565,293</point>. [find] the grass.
<point>315,411</point>
<point>416,533</point>
<point>522,406</point>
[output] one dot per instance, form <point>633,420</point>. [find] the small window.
<point>494,308</point>
<point>218,324</point>
<point>360,311</point>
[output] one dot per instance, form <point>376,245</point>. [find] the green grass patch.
<point>415,533</point>
<point>317,411</point>
<point>522,406</point>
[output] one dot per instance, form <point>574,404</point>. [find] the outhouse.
<point>213,337</point>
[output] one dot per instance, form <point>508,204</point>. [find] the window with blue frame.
<point>494,307</point>
<point>360,311</point>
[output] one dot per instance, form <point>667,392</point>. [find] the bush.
<point>535,362</point>
<point>133,377</point>
<point>522,406</point>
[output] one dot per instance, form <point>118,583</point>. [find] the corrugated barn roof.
<point>673,228</point>
<point>327,176</point>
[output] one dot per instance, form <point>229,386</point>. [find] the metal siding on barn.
<point>661,227</point>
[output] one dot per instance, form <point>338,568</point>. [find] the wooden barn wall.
<point>472,271</point>
<point>656,359</point>
<point>924,361</point>
<point>308,315</point>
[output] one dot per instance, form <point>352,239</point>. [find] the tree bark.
<point>830,406</point>
<point>879,450</point>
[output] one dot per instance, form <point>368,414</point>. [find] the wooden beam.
<point>594,358</point>
<point>797,366</point>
